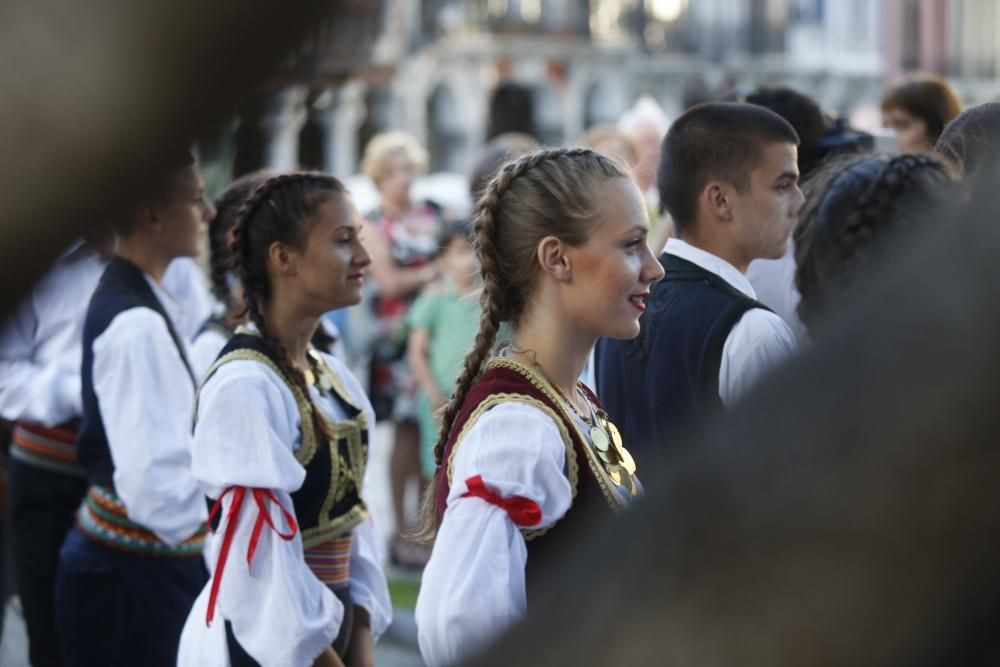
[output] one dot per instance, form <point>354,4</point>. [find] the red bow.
<point>261,497</point>
<point>523,511</point>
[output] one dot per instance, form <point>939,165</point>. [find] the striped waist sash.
<point>53,448</point>
<point>103,518</point>
<point>331,561</point>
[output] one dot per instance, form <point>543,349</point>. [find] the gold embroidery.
<point>539,382</point>
<point>349,430</point>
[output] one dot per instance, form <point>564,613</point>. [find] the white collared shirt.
<point>757,343</point>
<point>145,395</point>
<point>40,346</point>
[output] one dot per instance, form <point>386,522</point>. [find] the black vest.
<point>666,380</point>
<point>329,502</point>
<point>122,286</point>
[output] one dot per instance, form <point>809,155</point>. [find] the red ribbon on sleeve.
<point>261,497</point>
<point>523,511</point>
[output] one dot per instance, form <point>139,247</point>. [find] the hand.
<point>438,401</point>
<point>361,653</point>
<point>328,658</point>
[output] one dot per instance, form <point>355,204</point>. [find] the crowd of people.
<point>189,453</point>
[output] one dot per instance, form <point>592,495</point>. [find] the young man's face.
<point>765,214</point>
<point>185,215</point>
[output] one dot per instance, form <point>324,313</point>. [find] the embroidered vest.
<point>329,503</point>
<point>506,381</point>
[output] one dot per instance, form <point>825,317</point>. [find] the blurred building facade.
<point>436,65</point>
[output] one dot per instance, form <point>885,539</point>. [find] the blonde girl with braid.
<point>526,452</point>
<point>280,446</point>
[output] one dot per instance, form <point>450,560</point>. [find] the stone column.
<point>340,119</point>
<point>281,122</point>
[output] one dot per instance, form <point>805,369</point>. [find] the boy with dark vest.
<point>131,568</point>
<point>728,176</point>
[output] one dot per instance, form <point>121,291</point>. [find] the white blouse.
<point>40,345</point>
<point>247,432</point>
<point>473,588</point>
<point>145,396</point>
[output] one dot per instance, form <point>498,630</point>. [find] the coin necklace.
<point>618,463</point>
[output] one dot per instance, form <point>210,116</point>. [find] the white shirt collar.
<point>174,308</point>
<point>711,263</point>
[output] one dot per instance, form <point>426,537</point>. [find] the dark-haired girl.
<point>526,452</point>
<point>855,212</point>
<point>281,441</point>
<point>216,329</point>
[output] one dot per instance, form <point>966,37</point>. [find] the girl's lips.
<point>356,278</point>
<point>639,301</point>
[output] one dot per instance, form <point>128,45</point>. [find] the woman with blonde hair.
<point>561,239</point>
<point>401,237</point>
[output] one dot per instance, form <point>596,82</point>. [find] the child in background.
<point>443,323</point>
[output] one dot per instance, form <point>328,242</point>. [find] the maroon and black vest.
<point>507,380</point>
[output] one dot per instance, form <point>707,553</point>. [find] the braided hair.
<point>278,209</point>
<point>227,206</point>
<point>545,193</point>
<point>852,207</point>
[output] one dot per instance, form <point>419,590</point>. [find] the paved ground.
<point>397,648</point>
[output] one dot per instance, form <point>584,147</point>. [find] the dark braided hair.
<point>852,208</point>
<point>279,209</point>
<point>227,206</point>
<point>549,192</point>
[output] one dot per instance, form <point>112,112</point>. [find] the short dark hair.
<point>972,140</point>
<point>458,229</point>
<point>500,150</point>
<point>929,98</point>
<point>154,180</point>
<point>802,112</point>
<point>714,140</point>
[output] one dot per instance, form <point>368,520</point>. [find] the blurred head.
<point>393,160</point>
<point>645,124</point>
<point>802,113</point>
<point>917,112</point>
<point>220,233</point>
<point>171,212</point>
<point>567,225</point>
<point>501,149</point>
<point>971,141</point>
<point>609,140</point>
<point>457,257</point>
<point>512,110</point>
<point>729,172</point>
<point>858,211</point>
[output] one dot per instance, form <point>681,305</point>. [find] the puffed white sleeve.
<point>473,587</point>
<point>204,350</point>
<point>48,394</point>
<point>145,396</point>
<point>369,588</point>
<point>280,613</point>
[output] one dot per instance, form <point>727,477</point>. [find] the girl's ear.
<point>551,256</point>
<point>281,259</point>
